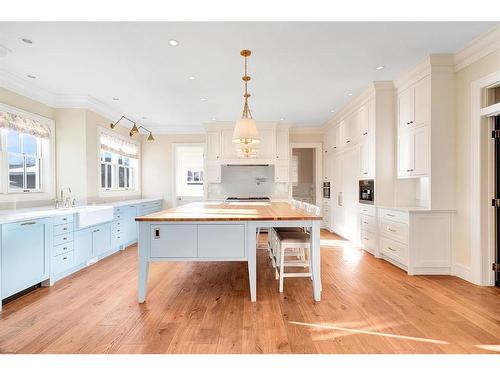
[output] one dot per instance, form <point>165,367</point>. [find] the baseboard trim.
<point>462,271</point>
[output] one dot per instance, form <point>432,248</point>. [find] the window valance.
<point>24,125</point>
<point>119,146</point>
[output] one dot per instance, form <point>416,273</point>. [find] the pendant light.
<point>245,132</point>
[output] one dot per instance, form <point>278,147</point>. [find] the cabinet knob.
<point>347,141</point>
<point>409,170</point>
<point>365,133</point>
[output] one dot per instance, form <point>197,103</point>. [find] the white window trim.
<point>48,167</point>
<point>118,192</point>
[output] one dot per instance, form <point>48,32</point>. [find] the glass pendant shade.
<point>245,132</point>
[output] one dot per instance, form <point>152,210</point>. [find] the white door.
<point>189,173</point>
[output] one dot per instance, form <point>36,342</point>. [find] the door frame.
<point>174,167</point>
<point>482,184</point>
<point>318,172</point>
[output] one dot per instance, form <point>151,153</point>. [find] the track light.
<point>134,130</point>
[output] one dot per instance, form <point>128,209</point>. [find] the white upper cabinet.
<point>281,173</point>
<point>228,146</point>
<point>213,146</point>
<point>364,121</point>
<point>282,144</point>
<point>422,99</point>
<point>365,170</point>
<point>266,147</point>
<point>413,152</point>
<point>327,157</point>
<point>339,136</point>
<point>272,148</point>
<point>414,105</point>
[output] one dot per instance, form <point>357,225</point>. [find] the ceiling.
<point>300,71</point>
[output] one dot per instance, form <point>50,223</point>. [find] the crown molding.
<point>478,48</point>
<point>306,130</point>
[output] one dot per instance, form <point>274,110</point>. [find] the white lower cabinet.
<point>419,241</point>
<point>368,228</point>
<point>326,214</point>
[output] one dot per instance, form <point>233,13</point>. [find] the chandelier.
<point>245,132</point>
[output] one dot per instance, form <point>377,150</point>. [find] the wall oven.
<point>366,191</point>
<point>326,190</point>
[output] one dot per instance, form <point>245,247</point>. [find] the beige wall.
<point>27,104</point>
<point>157,164</point>
<point>463,80</point>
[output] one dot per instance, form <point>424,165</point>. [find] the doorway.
<point>189,179</point>
<point>302,175</point>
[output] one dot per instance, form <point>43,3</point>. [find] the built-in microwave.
<point>326,190</point>
<point>366,191</point>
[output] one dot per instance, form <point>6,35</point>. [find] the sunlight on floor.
<point>364,332</point>
<point>493,348</point>
<point>351,253</point>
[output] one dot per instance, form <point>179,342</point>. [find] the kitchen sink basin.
<point>87,216</point>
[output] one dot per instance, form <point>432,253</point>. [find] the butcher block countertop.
<point>231,211</point>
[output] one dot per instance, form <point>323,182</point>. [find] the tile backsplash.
<point>248,181</point>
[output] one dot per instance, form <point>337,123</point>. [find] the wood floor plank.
<point>368,306</point>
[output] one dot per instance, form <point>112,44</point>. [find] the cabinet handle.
<point>157,233</point>
<point>391,230</point>
<point>347,141</point>
<point>409,170</point>
<point>65,258</point>
<point>65,219</point>
<point>366,239</point>
<point>29,223</point>
<point>390,248</point>
<point>64,238</point>
<point>365,133</point>
<point>391,215</point>
<point>65,248</point>
<point>365,172</point>
<point>365,222</point>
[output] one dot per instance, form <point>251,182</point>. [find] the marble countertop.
<point>11,216</point>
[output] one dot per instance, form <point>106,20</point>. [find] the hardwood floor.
<point>368,306</point>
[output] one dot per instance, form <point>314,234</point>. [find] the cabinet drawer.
<point>63,229</point>
<point>369,241</point>
<point>63,248</point>
<point>63,238</point>
<point>394,230</point>
<point>174,241</point>
<point>117,240</point>
<point>368,223</point>
<point>221,241</point>
<point>117,230</point>
<point>63,262</point>
<point>125,211</point>
<point>394,250</point>
<point>399,216</point>
<point>58,220</point>
<point>366,209</point>
<point>118,224</point>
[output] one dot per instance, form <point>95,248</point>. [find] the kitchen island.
<point>220,231</point>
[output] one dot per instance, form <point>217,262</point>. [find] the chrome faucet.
<point>67,200</point>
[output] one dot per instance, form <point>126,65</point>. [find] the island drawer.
<point>369,241</point>
<point>399,216</point>
<point>365,209</point>
<point>394,250</point>
<point>174,241</point>
<point>63,238</point>
<point>368,223</point>
<point>58,220</point>
<point>221,241</point>
<point>394,230</point>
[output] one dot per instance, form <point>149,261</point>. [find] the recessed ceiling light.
<point>173,42</point>
<point>281,119</point>
<point>332,110</point>
<point>26,40</point>
<point>380,67</point>
<point>116,98</point>
<point>31,76</point>
<point>144,118</point>
<point>214,119</point>
<point>192,78</point>
<point>350,94</point>
<point>203,99</point>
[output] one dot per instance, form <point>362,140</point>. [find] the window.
<point>23,155</point>
<point>27,164</point>
<point>119,163</point>
<point>194,177</point>
<point>188,170</point>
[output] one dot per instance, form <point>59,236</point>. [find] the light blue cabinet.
<point>101,239</point>
<point>83,240</point>
<point>25,255</point>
